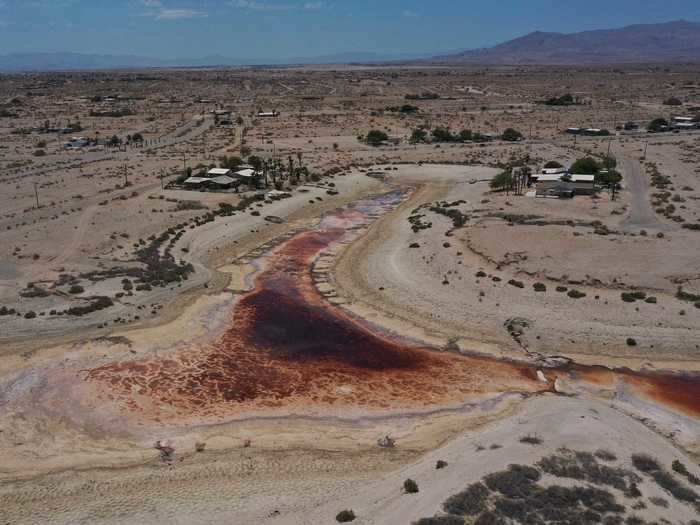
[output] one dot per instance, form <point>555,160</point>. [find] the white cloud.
<point>256,5</point>
<point>175,14</point>
<point>410,14</point>
<point>152,3</point>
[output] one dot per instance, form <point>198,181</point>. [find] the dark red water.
<point>287,347</point>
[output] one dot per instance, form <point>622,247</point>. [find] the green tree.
<point>658,124</point>
<point>553,164</point>
<point>585,166</point>
<point>465,135</point>
<point>502,182</point>
<point>418,135</point>
<point>442,134</point>
<point>512,135</point>
<point>376,137</point>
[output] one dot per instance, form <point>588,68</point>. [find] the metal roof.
<point>219,171</point>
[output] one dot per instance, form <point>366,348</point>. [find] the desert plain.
<point>362,312</point>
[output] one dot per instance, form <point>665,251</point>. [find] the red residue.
<point>287,347</point>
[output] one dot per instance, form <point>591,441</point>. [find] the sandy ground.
<point>78,451</point>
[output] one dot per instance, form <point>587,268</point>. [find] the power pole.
<point>184,164</point>
<point>126,176</point>
<point>646,144</point>
<point>161,180</point>
<point>36,195</point>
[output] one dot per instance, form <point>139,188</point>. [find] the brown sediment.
<point>287,348</point>
<point>679,391</point>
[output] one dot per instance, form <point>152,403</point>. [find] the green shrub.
<point>345,516</point>
<point>410,486</point>
<point>75,289</point>
<point>575,294</point>
<point>440,464</point>
<point>517,284</point>
<point>540,287</point>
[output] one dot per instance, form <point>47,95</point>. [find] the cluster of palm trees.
<point>276,171</point>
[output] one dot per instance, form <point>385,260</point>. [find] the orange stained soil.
<point>286,346</point>
<point>288,349</point>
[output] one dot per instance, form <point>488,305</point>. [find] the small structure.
<point>195,182</point>
<point>222,182</point>
<point>218,172</point>
<point>564,185</point>
<point>268,114</point>
<point>557,189</point>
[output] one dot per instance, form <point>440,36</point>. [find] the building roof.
<point>553,171</point>
<point>214,172</point>
<point>683,119</point>
<point>245,173</point>
<point>556,177</point>
<point>196,180</point>
<point>222,180</point>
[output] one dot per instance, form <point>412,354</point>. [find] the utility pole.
<point>646,144</point>
<point>184,164</point>
<point>161,180</point>
<point>609,144</point>
<point>126,176</point>
<point>36,195</point>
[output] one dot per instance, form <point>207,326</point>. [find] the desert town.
<point>277,295</point>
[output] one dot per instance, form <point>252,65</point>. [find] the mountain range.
<point>677,42</point>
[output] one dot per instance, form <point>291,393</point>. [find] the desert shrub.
<point>516,482</point>
<point>410,486</point>
<point>481,273</point>
<point>345,516</point>
<point>575,294</point>
<point>440,464</point>
<point>630,297</point>
<point>40,153</point>
<point>75,289</point>
<point>189,205</point>
<point>531,440</point>
<point>540,287</point>
<point>651,300</point>
<point>517,284</point>
<point>584,466</point>
<point>562,289</point>
<point>414,245</point>
<point>441,520</point>
<point>645,463</point>
<point>605,455</point>
<point>659,502</point>
<point>471,501</point>
<point>631,341</point>
<point>31,314</point>
<point>679,467</point>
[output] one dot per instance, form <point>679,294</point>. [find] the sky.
<point>278,29</point>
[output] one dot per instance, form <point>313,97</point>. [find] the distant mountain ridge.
<point>677,41</point>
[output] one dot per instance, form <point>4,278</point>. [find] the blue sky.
<point>305,28</point>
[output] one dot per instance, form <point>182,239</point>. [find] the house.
<point>268,114</point>
<point>573,131</point>
<point>245,175</point>
<point>222,182</point>
<point>564,185</point>
<point>559,190</point>
<point>195,182</point>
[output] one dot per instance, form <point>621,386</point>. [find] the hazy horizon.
<point>283,29</point>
